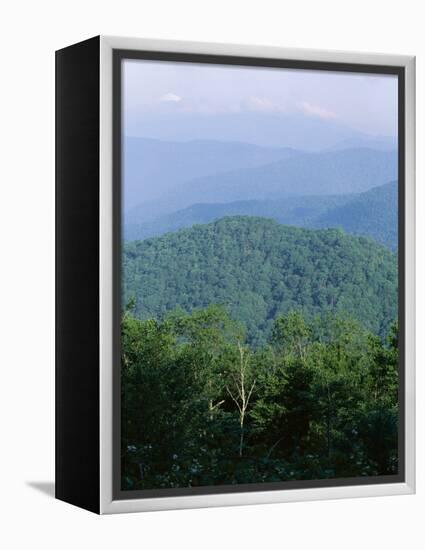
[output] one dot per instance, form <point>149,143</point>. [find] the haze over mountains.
<point>298,211</point>
<point>153,167</point>
<point>380,143</point>
<point>265,127</point>
<point>372,213</point>
<point>173,185</point>
<point>162,176</point>
<point>339,172</point>
<point>219,231</point>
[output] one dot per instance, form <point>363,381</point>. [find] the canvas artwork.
<point>259,271</point>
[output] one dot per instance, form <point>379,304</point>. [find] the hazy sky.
<point>183,91</point>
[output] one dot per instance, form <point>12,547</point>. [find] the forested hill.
<point>258,269</point>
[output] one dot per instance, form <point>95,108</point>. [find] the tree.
<point>240,389</point>
<point>318,401</point>
<point>258,269</point>
<point>291,335</point>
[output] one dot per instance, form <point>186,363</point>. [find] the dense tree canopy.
<point>201,407</point>
<point>258,269</point>
<point>258,352</point>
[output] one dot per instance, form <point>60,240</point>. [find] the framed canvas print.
<point>235,274</point>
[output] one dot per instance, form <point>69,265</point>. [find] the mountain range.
<point>264,128</point>
<point>152,167</point>
<point>372,213</point>
<point>328,173</point>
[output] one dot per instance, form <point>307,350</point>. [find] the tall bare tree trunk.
<point>242,395</point>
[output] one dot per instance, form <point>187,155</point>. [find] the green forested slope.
<point>259,269</point>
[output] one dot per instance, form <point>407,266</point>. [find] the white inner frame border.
<point>107,504</point>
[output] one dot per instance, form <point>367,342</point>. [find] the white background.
<point>30,31</point>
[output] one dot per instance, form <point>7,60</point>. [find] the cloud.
<point>257,104</point>
<point>260,104</point>
<point>310,109</point>
<point>170,98</point>
<point>263,104</point>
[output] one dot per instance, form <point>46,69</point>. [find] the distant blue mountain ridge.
<point>265,129</point>
<point>152,168</point>
<point>298,211</point>
<point>372,213</point>
<point>379,143</point>
<point>339,172</point>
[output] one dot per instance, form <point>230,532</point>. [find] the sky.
<point>182,94</point>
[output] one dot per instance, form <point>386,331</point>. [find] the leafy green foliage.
<point>200,407</point>
<point>258,269</point>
